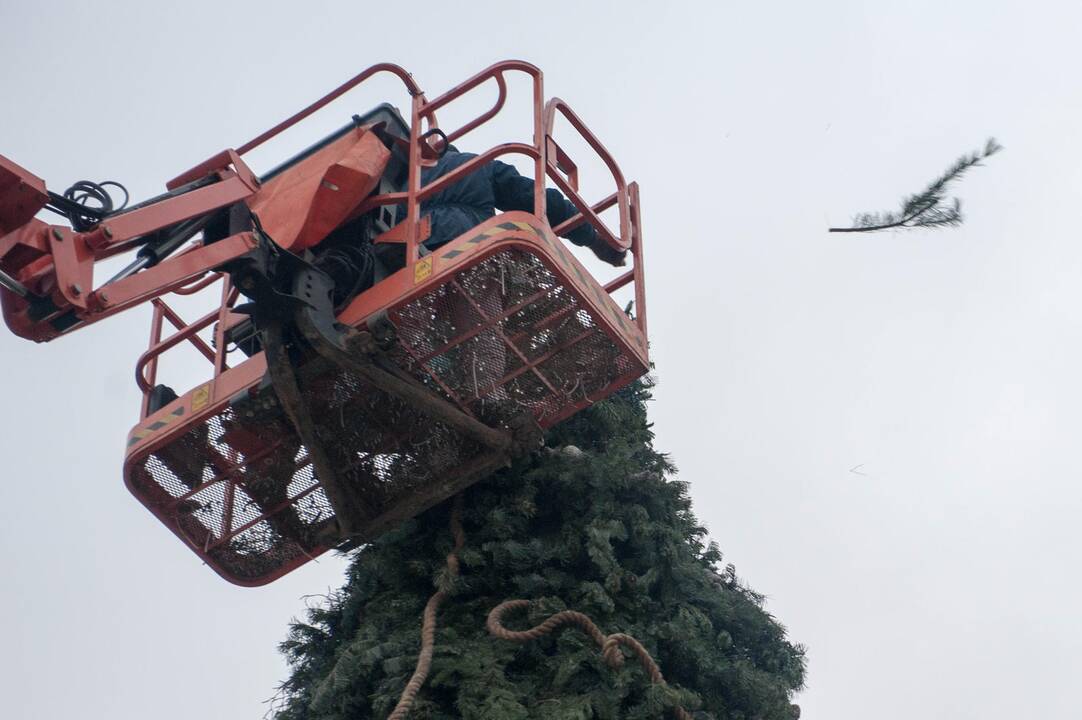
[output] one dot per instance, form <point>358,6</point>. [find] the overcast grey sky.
<point>940,582</point>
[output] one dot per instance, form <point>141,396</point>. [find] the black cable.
<point>446,143</point>
<point>351,267</point>
<point>86,203</point>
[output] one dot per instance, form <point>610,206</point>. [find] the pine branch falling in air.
<point>929,208</point>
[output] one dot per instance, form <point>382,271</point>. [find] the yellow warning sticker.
<point>422,270</point>
<point>200,397</point>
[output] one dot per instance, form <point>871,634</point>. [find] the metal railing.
<point>146,368</point>
<point>550,160</point>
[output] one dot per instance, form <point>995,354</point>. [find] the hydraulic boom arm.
<point>47,280</point>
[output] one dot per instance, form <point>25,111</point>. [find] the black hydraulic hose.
<point>157,250</point>
<point>85,203</point>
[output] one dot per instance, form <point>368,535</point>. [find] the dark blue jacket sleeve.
<point>515,192</point>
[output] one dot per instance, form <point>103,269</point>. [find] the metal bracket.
<point>397,234</point>
<point>348,509</point>
<point>293,304</point>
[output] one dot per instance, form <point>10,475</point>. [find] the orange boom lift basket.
<point>338,423</point>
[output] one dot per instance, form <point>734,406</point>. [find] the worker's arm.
<point>515,192</point>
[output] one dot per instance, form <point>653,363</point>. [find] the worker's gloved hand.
<point>606,252</point>
<point>585,236</point>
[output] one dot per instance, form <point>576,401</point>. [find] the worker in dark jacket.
<point>453,212</point>
<point>476,197</point>
<point>461,207</point>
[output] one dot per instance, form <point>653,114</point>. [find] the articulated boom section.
<point>338,421</point>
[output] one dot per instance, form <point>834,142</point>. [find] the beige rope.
<point>428,626</point>
<point>609,644</point>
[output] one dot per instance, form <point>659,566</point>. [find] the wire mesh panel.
<point>240,489</point>
<point>505,336</point>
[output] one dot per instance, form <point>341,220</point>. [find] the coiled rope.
<point>609,644</point>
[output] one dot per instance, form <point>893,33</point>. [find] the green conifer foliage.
<point>604,531</point>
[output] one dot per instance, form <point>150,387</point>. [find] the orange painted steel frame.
<point>518,230</point>
<point>159,428</point>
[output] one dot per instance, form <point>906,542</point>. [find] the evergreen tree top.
<point>602,530</point>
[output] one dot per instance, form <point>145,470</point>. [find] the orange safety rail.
<point>146,368</point>
<point>502,321</point>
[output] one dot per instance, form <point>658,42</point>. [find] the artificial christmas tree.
<point>592,523</point>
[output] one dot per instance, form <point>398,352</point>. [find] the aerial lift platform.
<point>325,422</point>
